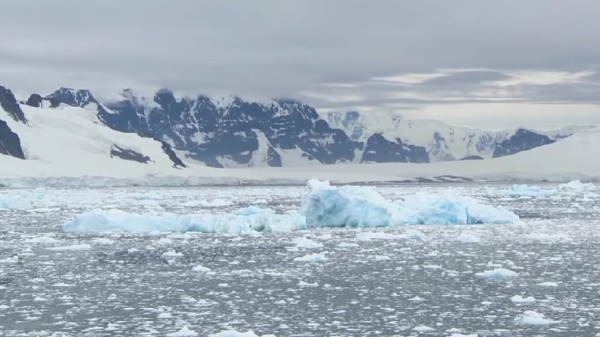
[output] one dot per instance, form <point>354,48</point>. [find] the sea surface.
<point>371,281</point>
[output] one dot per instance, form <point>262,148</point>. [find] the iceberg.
<point>527,191</point>
<point>577,186</point>
<point>323,206</point>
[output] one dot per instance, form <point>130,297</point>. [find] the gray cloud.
<point>476,77</point>
<point>273,48</point>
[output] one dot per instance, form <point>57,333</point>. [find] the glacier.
<point>323,206</point>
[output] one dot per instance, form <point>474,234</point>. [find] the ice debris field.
<point>319,260</point>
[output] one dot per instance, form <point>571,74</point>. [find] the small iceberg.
<point>577,186</point>
<point>498,274</point>
<point>14,203</point>
<point>533,318</point>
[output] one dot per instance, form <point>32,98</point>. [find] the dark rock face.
<point>522,140</point>
<point>127,154</point>
<point>381,150</point>
<point>472,158</point>
<point>10,143</point>
<point>9,103</point>
<point>35,101</point>
<point>72,97</point>
<point>235,131</point>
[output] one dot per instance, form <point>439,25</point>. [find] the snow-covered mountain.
<point>442,142</point>
<point>74,140</point>
<point>234,133</point>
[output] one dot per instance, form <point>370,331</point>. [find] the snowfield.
<point>532,277</point>
<point>69,147</point>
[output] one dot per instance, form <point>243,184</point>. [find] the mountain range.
<point>232,132</point>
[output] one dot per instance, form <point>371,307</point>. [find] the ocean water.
<point>318,282</point>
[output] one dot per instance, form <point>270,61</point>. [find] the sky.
<point>489,64</point>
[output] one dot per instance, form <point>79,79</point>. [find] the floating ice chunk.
<point>443,209</point>
<point>63,285</point>
<point>368,236</point>
<point>317,257</point>
<point>461,335</point>
<point>11,260</point>
<point>234,333</point>
<point>208,203</point>
<point>184,332</point>
<point>348,245</point>
<point>172,253</point>
<point>246,220</point>
<point>416,235</point>
<point>84,246</point>
<point>417,299</point>
<point>498,274</point>
<point>201,268</point>
<point>533,318</point>
<point>145,196</point>
<point>14,203</point>
<point>164,315</point>
<point>520,299</point>
<point>306,284</point>
<point>467,238</point>
<point>346,206</point>
<point>42,239</point>
<point>576,186</point>
<point>528,191</point>
<point>547,238</point>
<point>252,210</point>
<point>103,241</point>
<point>164,241</point>
<point>548,284</point>
<point>26,252</point>
<point>307,243</point>
<point>423,328</point>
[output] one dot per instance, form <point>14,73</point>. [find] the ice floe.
<point>498,274</point>
<point>528,191</point>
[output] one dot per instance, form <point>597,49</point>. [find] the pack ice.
<point>323,206</point>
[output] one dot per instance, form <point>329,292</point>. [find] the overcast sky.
<point>479,63</point>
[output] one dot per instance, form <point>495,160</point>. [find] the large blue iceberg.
<point>323,206</point>
<point>346,206</point>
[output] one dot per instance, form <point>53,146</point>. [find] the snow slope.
<point>69,146</point>
<point>443,142</point>
<point>71,142</point>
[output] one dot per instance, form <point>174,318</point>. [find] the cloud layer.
<point>335,54</point>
